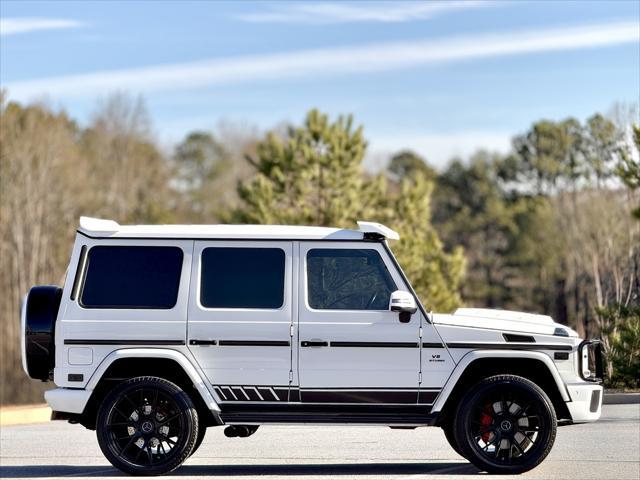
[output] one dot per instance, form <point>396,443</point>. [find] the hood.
<point>504,320</point>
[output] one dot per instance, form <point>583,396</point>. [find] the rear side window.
<point>132,277</point>
<point>242,278</point>
<point>348,279</point>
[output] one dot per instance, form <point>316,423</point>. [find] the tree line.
<point>551,227</point>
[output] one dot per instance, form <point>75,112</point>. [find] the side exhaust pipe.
<point>242,431</point>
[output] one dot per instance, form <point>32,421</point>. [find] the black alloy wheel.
<point>505,424</point>
<point>147,426</point>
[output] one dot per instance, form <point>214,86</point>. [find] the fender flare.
<point>475,355</point>
<point>178,357</point>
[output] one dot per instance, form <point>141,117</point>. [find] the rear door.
<point>240,314</point>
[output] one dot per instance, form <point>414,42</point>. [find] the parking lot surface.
<point>608,449</point>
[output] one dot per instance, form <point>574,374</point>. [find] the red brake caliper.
<point>485,421</point>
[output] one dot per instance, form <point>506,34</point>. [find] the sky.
<point>440,78</point>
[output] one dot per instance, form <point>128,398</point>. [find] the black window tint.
<point>242,278</point>
<point>132,277</point>
<point>348,279</point>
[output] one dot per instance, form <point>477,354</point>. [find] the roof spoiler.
<point>98,225</point>
<point>377,231</point>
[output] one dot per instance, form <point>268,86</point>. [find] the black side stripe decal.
<point>254,343</point>
<point>340,395</point>
<point>509,346</point>
<point>250,393</point>
<point>284,343</point>
<point>376,344</point>
<point>75,341</point>
<point>359,396</point>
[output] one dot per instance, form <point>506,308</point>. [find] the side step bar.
<point>261,418</point>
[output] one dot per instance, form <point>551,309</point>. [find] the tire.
<point>505,424</point>
<point>449,435</point>
<point>147,426</point>
<point>202,430</point>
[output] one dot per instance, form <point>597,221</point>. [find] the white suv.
<point>162,331</point>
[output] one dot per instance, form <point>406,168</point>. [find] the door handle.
<point>314,343</point>
<point>194,341</point>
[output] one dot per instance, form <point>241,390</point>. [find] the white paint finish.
<point>183,359</point>
<point>382,230</point>
<point>76,322</point>
<point>436,363</point>
<point>355,366</point>
<point>504,315</point>
<point>67,400</point>
<point>457,333</point>
<point>75,315</point>
<point>97,227</point>
<point>242,365</point>
<point>80,355</point>
<point>133,329</point>
<point>504,324</point>
<point>504,354</point>
<point>580,404</point>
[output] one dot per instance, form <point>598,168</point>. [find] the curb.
<point>621,398</point>
<point>24,415</point>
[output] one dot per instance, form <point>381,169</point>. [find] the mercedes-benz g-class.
<point>160,332</point>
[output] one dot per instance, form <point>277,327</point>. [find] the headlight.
<point>590,352</point>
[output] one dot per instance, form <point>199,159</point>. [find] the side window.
<point>132,277</point>
<point>348,279</point>
<point>242,277</point>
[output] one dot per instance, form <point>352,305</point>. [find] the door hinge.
<point>290,376</point>
<point>419,377</point>
<point>420,331</point>
<point>291,331</point>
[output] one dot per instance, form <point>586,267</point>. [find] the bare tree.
<point>41,182</point>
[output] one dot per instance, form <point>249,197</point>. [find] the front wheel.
<point>147,426</point>
<point>447,428</point>
<point>505,424</point>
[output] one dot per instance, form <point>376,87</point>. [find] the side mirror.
<point>404,303</point>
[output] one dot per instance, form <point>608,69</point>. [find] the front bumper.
<point>586,402</point>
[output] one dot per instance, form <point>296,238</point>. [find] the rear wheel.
<point>202,430</point>
<point>505,424</point>
<point>147,426</point>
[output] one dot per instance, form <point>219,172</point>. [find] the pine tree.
<point>313,176</point>
<point>435,274</point>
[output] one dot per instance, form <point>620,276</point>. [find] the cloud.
<point>12,26</point>
<point>323,13</point>
<point>323,63</point>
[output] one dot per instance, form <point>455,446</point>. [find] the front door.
<point>240,314</point>
<point>352,349</point>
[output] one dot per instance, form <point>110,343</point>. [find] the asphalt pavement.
<point>608,449</point>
